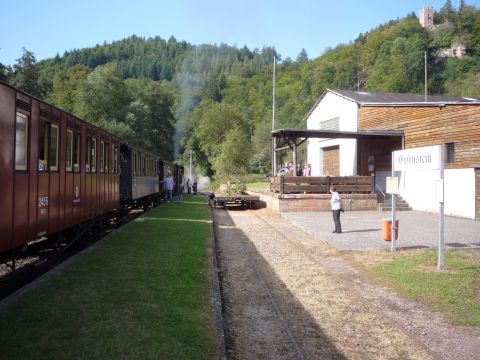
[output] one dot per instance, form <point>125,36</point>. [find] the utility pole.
<point>273,102</point>
<point>274,154</point>
<point>190,164</point>
<point>425,76</point>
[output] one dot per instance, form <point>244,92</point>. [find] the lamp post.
<point>274,154</point>
<point>191,164</point>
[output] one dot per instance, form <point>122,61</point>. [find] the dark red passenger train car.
<point>56,170</point>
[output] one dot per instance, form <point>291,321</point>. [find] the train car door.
<point>69,177</point>
<point>54,171</point>
<point>90,174</point>
<point>43,179</point>
<point>13,152</point>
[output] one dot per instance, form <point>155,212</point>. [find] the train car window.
<point>112,159</point>
<point>102,156</point>
<point>88,162</point>
<point>76,152</point>
<point>134,164</point>
<point>21,144</point>
<point>69,160</point>
<point>144,171</point>
<point>93,152</point>
<point>106,157</point>
<point>54,147</point>
<point>115,159</point>
<point>43,146</point>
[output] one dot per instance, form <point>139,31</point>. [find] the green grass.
<point>142,293</point>
<point>258,185</point>
<point>454,291</point>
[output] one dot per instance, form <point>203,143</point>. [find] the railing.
<point>321,184</point>
<point>379,188</point>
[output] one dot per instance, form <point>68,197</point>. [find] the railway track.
<point>352,284</point>
<point>299,345</point>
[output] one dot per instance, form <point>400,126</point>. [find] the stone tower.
<point>426,16</point>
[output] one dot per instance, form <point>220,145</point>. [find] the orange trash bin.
<point>387,229</point>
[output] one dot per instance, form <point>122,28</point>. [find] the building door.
<point>331,161</point>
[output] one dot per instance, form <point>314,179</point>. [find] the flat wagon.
<point>235,200</point>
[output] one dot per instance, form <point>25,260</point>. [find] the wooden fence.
<point>321,184</point>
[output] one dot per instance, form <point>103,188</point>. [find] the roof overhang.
<point>334,134</point>
<point>290,138</point>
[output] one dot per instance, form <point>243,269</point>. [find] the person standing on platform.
<point>336,203</point>
<point>168,187</point>
<point>194,187</point>
<point>307,171</point>
<point>189,187</point>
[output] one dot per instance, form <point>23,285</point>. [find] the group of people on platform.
<point>304,170</point>
<point>169,187</point>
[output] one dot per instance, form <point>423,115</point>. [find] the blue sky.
<point>53,26</point>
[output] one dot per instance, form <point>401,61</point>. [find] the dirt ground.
<point>288,295</point>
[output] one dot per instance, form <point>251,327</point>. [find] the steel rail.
<point>376,309</point>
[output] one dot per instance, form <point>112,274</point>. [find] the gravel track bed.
<point>331,310</point>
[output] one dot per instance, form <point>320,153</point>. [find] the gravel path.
<point>328,308</point>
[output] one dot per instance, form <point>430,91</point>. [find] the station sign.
<point>421,158</point>
<point>392,185</point>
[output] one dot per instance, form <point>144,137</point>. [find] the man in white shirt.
<point>336,203</point>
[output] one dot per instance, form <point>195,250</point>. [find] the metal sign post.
<point>392,189</point>
<point>441,217</point>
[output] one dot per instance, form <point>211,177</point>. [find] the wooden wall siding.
<point>425,126</point>
<point>331,161</point>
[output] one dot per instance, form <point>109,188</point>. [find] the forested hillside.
<point>216,100</point>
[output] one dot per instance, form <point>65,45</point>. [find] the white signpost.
<point>423,158</point>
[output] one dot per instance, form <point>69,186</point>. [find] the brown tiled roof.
<point>364,98</point>
<point>394,99</point>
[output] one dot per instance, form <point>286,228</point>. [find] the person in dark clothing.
<point>194,187</point>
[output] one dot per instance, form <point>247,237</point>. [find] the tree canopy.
<point>172,97</point>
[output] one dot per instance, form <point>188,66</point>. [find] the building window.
<point>450,155</point>
<point>54,148</point>
<point>21,136</point>
<point>330,124</point>
<point>69,160</point>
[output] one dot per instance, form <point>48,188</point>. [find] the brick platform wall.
<point>315,202</point>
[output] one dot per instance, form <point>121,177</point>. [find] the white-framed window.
<point>21,141</point>
<point>69,157</point>
<point>330,124</point>
<point>54,140</point>
<point>102,156</point>
<point>43,146</point>
<point>115,159</point>
<point>77,138</point>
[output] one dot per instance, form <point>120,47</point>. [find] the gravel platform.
<point>362,230</point>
